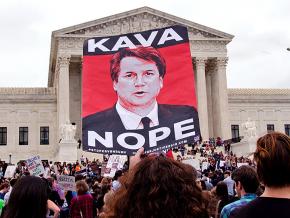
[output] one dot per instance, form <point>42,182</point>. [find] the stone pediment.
<point>140,19</point>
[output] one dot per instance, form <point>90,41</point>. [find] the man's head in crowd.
<point>227,173</point>
<point>272,157</point>
<point>246,180</point>
<point>137,76</point>
<point>222,190</point>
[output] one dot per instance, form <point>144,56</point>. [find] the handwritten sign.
<point>115,162</point>
<point>66,182</point>
<point>35,166</point>
<point>10,170</point>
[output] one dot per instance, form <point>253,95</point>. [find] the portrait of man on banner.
<point>149,100</point>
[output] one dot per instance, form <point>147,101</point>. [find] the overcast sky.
<point>257,55</point>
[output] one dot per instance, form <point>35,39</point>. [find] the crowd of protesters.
<point>159,186</point>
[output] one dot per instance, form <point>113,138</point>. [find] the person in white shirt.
<point>230,183</point>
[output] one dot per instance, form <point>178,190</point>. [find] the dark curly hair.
<point>158,187</point>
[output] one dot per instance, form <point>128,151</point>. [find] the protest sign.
<point>10,170</point>
<point>115,162</point>
<point>138,91</point>
<point>242,164</point>
<point>66,182</point>
<point>192,162</point>
<point>204,166</point>
<point>34,165</point>
<point>222,163</point>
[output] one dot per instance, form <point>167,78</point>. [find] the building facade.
<point>32,119</point>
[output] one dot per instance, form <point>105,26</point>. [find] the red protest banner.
<point>129,77</point>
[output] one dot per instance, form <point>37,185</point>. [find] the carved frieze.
<point>136,23</point>
<point>116,28</point>
<point>125,27</point>
<point>198,34</point>
<point>71,43</point>
<point>208,46</point>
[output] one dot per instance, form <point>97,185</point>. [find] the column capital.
<point>62,63</point>
<point>211,67</point>
<point>222,61</point>
<point>200,61</point>
<point>63,59</point>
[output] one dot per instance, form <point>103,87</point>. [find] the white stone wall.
<point>264,106</point>
<point>32,108</point>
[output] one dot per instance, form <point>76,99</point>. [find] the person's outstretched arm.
<point>52,206</point>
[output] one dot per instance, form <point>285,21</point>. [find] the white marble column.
<point>220,100</point>
<point>202,97</point>
<point>63,89</point>
<point>208,76</point>
<point>67,146</point>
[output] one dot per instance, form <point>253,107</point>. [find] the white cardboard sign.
<point>10,170</point>
<point>35,166</point>
<point>115,162</point>
<point>66,182</point>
